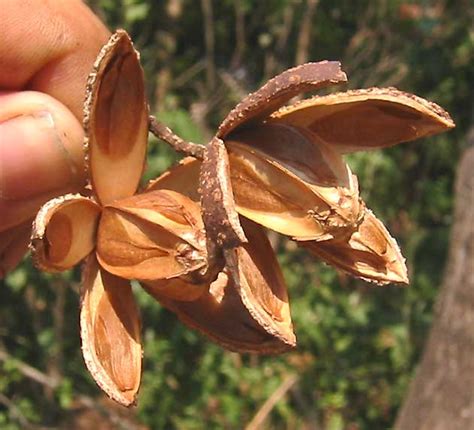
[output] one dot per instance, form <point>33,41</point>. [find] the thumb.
<point>41,154</point>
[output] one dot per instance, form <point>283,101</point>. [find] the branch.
<point>262,414</point>
<point>52,383</point>
<point>177,143</point>
<point>441,393</point>
<point>304,36</point>
<point>207,11</point>
<point>30,372</point>
<point>239,35</point>
<point>15,412</point>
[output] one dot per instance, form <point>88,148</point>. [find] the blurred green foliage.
<point>358,344</point>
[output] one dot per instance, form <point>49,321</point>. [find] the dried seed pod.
<point>110,333</point>
<point>174,211</point>
<point>182,178</point>
<point>366,119</point>
<point>217,199</point>
<point>369,253</point>
<point>151,236</point>
<point>286,179</point>
<point>251,315</point>
<point>64,232</point>
<point>181,289</point>
<point>279,90</point>
<point>116,120</point>
<point>13,245</point>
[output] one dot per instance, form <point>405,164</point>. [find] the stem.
<point>177,143</point>
<point>15,412</point>
<point>259,419</point>
<point>209,40</point>
<point>304,36</point>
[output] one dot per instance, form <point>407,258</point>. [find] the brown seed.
<point>59,237</point>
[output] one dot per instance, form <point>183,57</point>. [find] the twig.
<point>53,383</point>
<point>310,417</point>
<point>239,35</point>
<point>177,143</point>
<point>262,414</point>
<point>188,74</point>
<point>30,372</point>
<point>55,363</point>
<point>15,412</point>
<point>304,36</point>
<point>207,11</point>
<point>273,56</point>
<point>115,419</point>
<point>233,85</point>
<point>285,28</point>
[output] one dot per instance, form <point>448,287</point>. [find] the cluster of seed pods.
<point>194,238</point>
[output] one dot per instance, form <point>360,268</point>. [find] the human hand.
<point>47,51</point>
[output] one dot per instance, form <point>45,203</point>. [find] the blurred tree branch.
<point>15,412</point>
<point>304,35</point>
<point>52,383</point>
<point>209,39</point>
<point>239,35</point>
<point>441,395</point>
<point>257,421</point>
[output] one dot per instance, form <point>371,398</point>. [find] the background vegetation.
<point>358,344</point>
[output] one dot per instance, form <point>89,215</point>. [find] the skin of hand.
<point>47,50</point>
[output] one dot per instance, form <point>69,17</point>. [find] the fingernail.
<point>33,156</point>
